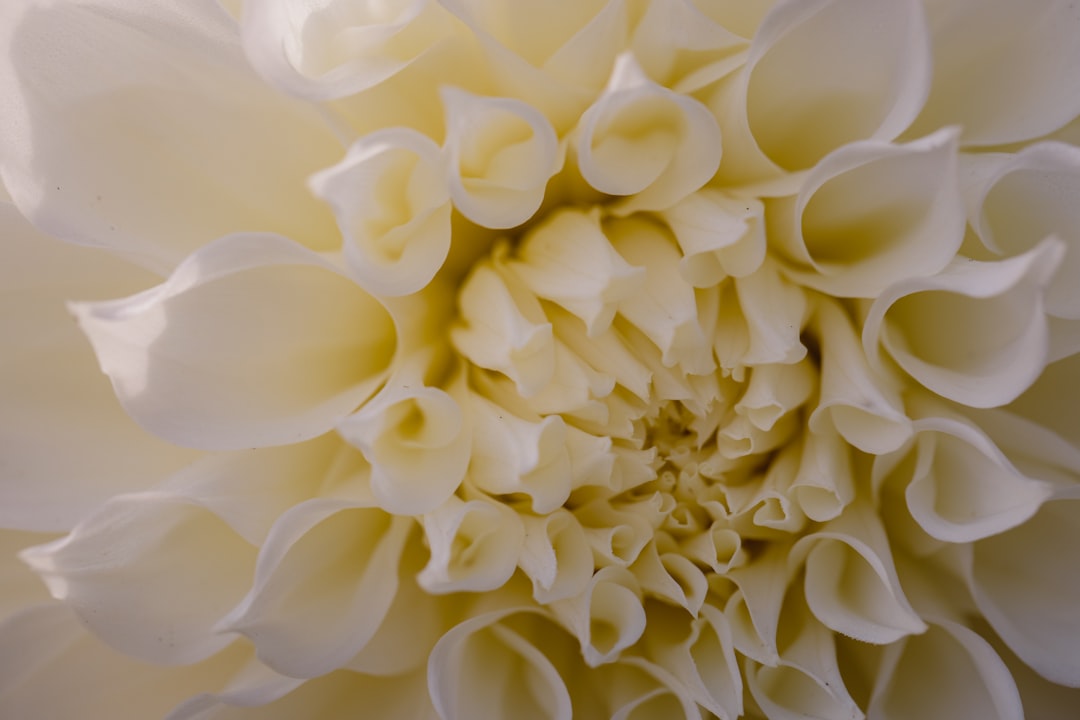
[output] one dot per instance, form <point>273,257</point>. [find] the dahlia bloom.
<point>466,359</point>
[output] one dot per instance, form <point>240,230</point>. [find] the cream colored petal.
<point>500,154</point>
<point>949,666</point>
<point>1052,400</point>
<point>976,333</point>
<point>1002,71</point>
<point>62,671</point>
<point>617,536</point>
<point>52,395</point>
<point>154,137</point>
<point>644,140</point>
<point>512,455</point>
<point>219,357</point>
<point>645,691</point>
<point>851,583</point>
<point>568,260</point>
<point>607,617</point>
<point>829,72</point>
<point>718,236</point>
<point>392,204</point>
<point>774,311</point>
<point>1029,196</point>
<point>873,213</point>
<point>719,547</point>
<point>327,566</point>
<point>680,45</point>
<point>150,574</point>
<point>485,668</point>
<point>825,482</point>
<point>964,488</point>
<point>607,353</point>
<point>863,404</point>
<point>1026,587</point>
<point>666,309</point>
<point>556,556</point>
<point>753,612</point>
<point>417,438</point>
<point>672,577</point>
<point>333,48</point>
<point>503,328</point>
<point>774,391</point>
<point>474,546</point>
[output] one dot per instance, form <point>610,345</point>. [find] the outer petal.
<point>51,392</point>
<point>153,133</point>
<point>1003,71</point>
<point>223,354</point>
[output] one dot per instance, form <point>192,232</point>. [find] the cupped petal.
<point>976,333</point>
<point>569,260</point>
<point>825,482</point>
<point>718,236</point>
<point>774,312</point>
<point>775,390</point>
<point>1053,399</point>
<point>949,666</point>
<point>221,355</point>
<point>327,566</point>
<point>1027,197</point>
<point>682,46</point>
<point>873,213</point>
<point>474,546</point>
<point>556,556</point>
<point>641,139</point>
<point>332,48</point>
<point>150,574</point>
<point>607,617</point>
<point>1026,586</point>
<point>485,668</point>
<point>139,127</point>
<point>1003,72</point>
<point>52,394</point>
<point>500,154</point>
<point>393,207</point>
<point>822,74</point>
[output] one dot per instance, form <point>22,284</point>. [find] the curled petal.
<point>155,138</point>
<point>719,548</point>
<point>1003,72</point>
<point>671,576</point>
<point>774,311</point>
<point>774,391</point>
<point>718,236</point>
<point>644,140</point>
<point>333,48</point>
<point>150,575</point>
<point>393,207</point>
<point>219,358</point>
<point>556,556</point>
<point>976,333</point>
<point>607,617</point>
<point>1030,595</point>
<point>873,213</point>
<point>418,440</point>
<point>947,666</point>
<point>325,566</point>
<point>753,612</point>
<point>863,405</point>
<point>825,482</point>
<point>1027,197</point>
<point>500,154</point>
<point>1052,400</point>
<point>851,582</point>
<point>682,46</point>
<point>474,546</point>
<point>484,668</point>
<point>569,261</point>
<point>822,74</point>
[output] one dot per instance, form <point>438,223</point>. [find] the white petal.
<point>483,668</point>
<point>774,311</point>
<point>774,391</point>
<point>607,617</point>
<point>873,213</point>
<point>327,566</point>
<point>681,46</point>
<point>754,611</point>
<point>1003,71</point>
<point>825,483</point>
<point>219,357</point>
<point>569,260</point>
<point>556,556</point>
<point>1028,197</point>
<point>52,394</point>
<point>851,583</point>
<point>500,154</point>
<point>1052,400</point>
<point>644,140</point>
<point>156,137</point>
<point>718,236</point>
<point>1026,586</point>
<point>393,207</point>
<point>976,333</point>
<point>474,546</point>
<point>150,574</point>
<point>418,440</point>
<point>332,48</point>
<point>863,405</point>
<point>949,666</point>
<point>672,577</point>
<point>828,72</point>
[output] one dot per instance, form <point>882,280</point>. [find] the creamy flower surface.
<point>477,359</point>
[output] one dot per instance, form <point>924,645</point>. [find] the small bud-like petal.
<point>474,546</point>
<point>607,617</point>
<point>718,236</point>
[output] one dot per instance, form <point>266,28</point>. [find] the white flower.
<point>468,359</point>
